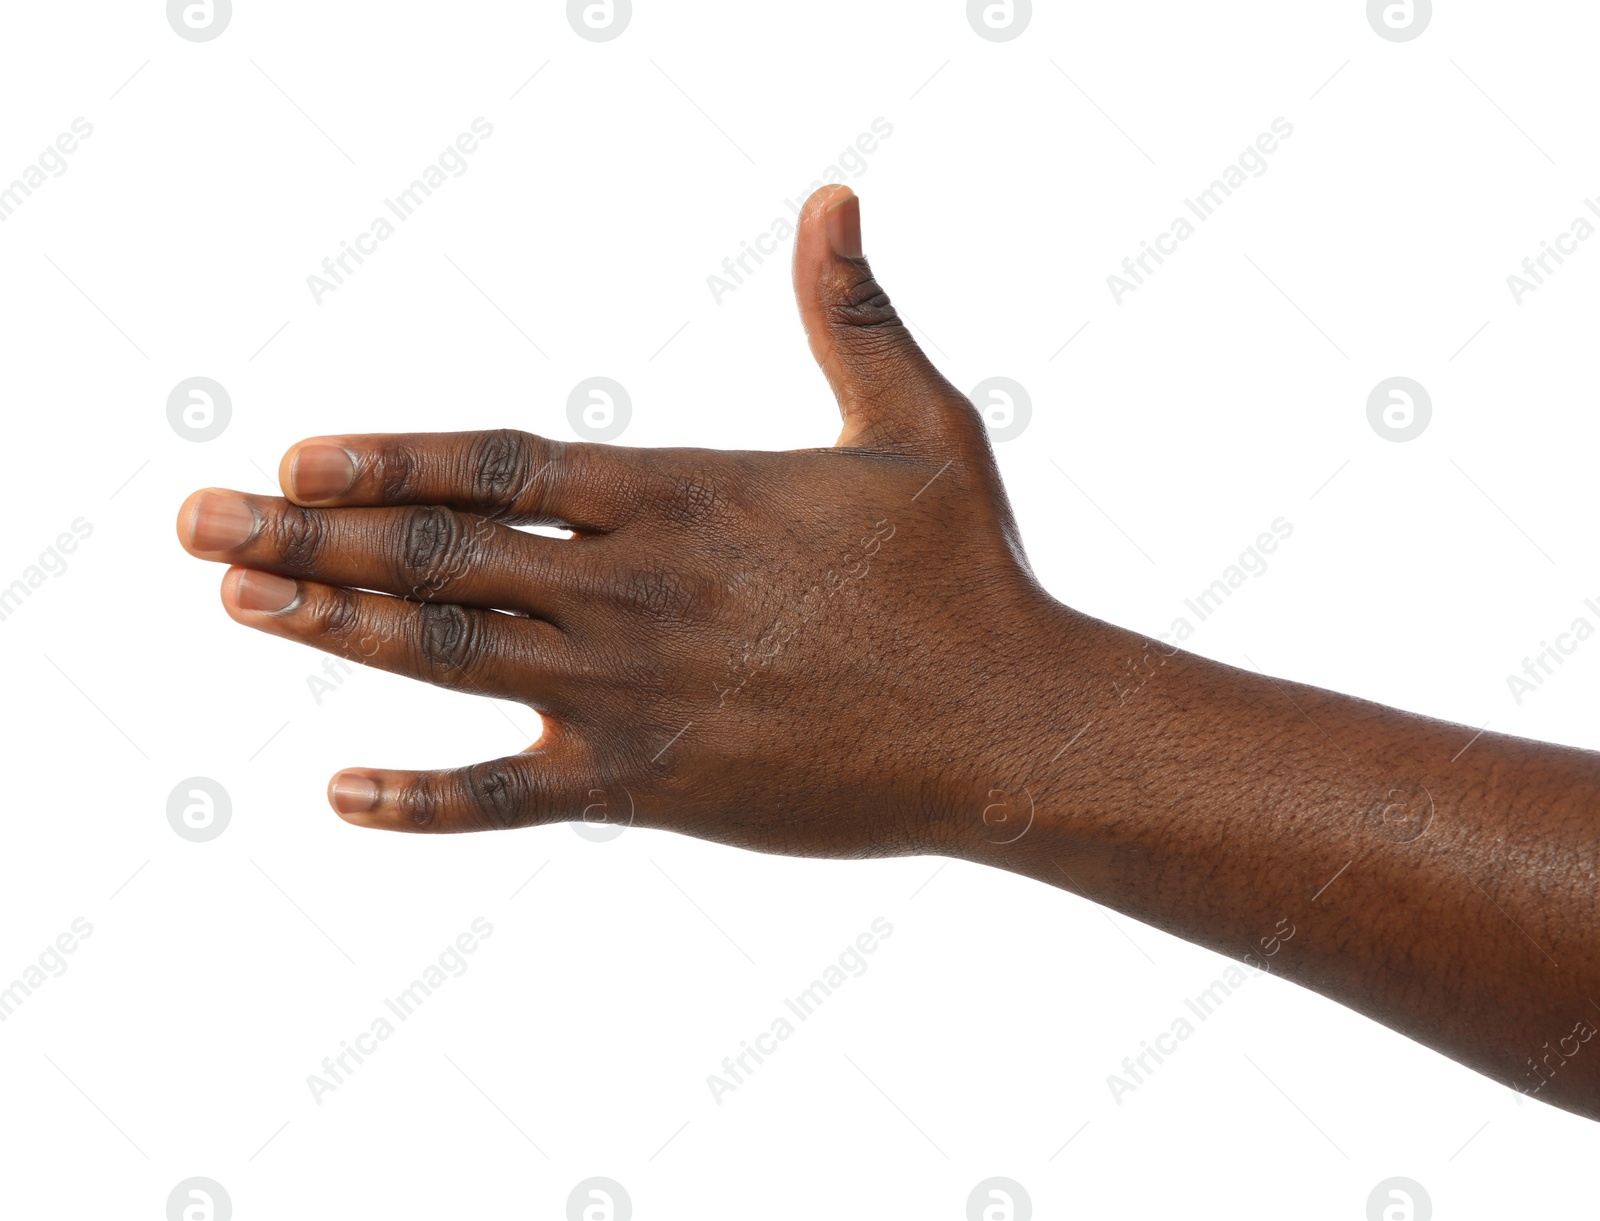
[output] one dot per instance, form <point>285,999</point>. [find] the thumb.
<point>889,393</point>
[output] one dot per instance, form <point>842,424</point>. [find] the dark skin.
<point>843,652</point>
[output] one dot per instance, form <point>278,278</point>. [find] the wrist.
<point>1031,785</point>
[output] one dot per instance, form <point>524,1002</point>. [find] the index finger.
<point>514,477</point>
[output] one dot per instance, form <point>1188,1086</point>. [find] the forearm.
<point>1362,852</point>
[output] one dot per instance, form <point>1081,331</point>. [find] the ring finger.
<point>461,648</point>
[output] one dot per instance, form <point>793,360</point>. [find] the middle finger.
<point>426,552</point>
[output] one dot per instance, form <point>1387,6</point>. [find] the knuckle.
<point>656,593</point>
<point>401,473</point>
<point>431,551</point>
<point>447,641</point>
<point>340,616</point>
<point>421,802</point>
<point>696,497</point>
<point>298,535</point>
<point>862,304</point>
<point>500,794</point>
<point>506,464</point>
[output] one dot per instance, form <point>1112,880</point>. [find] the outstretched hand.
<point>842,652</point>
<point>794,652</point>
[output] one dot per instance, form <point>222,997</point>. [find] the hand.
<point>842,652</point>
<point>795,652</point>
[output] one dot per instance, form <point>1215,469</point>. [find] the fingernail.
<point>844,227</point>
<point>352,794</point>
<point>321,472</point>
<point>221,523</point>
<point>265,591</point>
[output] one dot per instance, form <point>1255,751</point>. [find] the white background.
<point>1229,391</point>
